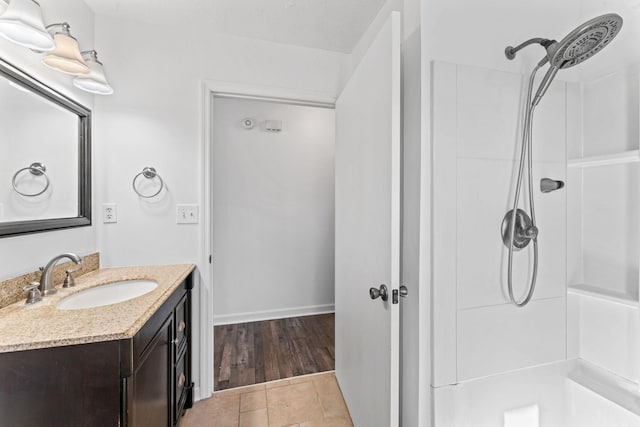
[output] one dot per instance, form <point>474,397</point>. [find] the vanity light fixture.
<point>94,82</point>
<point>22,24</point>
<point>66,56</point>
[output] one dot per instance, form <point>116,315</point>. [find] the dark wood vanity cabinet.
<point>144,381</point>
<point>159,370</point>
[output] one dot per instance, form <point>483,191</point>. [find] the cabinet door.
<point>152,381</point>
<point>182,323</point>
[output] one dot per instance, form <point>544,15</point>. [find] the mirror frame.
<point>14,228</point>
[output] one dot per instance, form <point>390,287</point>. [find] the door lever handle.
<point>382,293</point>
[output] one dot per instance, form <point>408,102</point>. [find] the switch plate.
<point>187,214</point>
<point>109,213</point>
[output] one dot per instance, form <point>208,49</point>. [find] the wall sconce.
<point>22,24</point>
<point>95,81</point>
<point>66,56</point>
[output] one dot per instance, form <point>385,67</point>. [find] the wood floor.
<point>257,352</point>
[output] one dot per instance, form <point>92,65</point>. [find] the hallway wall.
<point>273,211</point>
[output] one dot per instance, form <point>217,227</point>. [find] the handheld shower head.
<point>586,40</point>
<point>578,46</point>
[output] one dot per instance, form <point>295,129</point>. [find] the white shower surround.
<point>585,307</point>
<point>477,331</point>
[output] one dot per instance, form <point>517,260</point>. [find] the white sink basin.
<point>110,293</point>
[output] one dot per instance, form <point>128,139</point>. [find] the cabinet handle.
<point>181,380</point>
<point>181,326</point>
<point>175,341</point>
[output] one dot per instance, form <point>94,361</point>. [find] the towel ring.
<point>36,169</point>
<point>149,173</point>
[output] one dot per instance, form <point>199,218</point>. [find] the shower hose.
<point>525,153</point>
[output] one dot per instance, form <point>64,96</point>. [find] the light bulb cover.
<point>22,24</point>
<point>66,56</point>
<point>96,81</point>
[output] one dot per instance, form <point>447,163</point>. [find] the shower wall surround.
<point>604,201</point>
<point>477,116</point>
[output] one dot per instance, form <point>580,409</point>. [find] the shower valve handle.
<point>530,232</point>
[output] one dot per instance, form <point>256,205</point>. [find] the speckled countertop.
<point>28,327</point>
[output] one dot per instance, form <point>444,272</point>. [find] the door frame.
<point>209,90</point>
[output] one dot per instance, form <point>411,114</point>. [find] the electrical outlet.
<point>109,213</point>
<point>186,214</point>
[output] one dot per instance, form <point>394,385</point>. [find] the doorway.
<point>272,222</point>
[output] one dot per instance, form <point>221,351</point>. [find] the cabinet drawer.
<point>143,338</point>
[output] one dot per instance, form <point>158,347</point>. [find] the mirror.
<point>45,165</point>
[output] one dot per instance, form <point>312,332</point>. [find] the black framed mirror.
<point>45,160</point>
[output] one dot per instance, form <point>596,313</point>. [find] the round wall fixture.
<point>247,123</point>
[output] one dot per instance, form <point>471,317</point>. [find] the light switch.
<point>187,214</point>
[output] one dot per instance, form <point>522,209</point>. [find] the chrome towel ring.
<point>36,169</point>
<point>149,173</point>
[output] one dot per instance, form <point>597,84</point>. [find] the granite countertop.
<point>41,325</point>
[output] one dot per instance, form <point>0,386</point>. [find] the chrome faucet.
<point>46,281</point>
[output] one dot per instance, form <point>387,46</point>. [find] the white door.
<point>368,232</point>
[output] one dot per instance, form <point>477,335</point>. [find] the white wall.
<point>476,33</point>
<point>25,253</point>
<point>273,215</point>
<point>155,119</point>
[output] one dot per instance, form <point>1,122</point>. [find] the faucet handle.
<point>68,280</point>
<point>34,293</point>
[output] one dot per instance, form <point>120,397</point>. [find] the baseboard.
<point>228,319</point>
<point>196,394</point>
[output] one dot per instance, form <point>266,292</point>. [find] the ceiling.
<point>334,25</point>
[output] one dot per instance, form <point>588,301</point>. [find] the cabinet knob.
<point>175,341</point>
<point>181,326</point>
<point>181,380</point>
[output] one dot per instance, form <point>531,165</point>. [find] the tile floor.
<point>307,401</point>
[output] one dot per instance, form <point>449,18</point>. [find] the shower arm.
<point>510,51</point>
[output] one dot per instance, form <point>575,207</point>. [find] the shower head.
<point>584,42</point>
<point>578,46</point>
